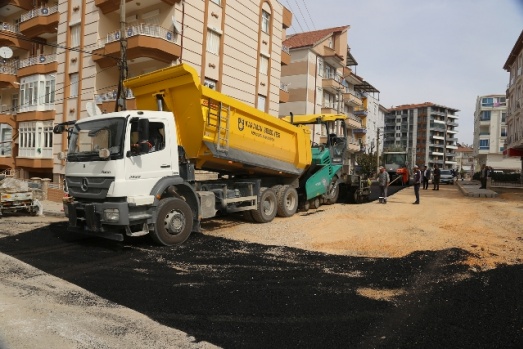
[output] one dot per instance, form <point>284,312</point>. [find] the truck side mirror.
<point>58,129</point>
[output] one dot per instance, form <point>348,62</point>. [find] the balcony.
<point>284,93</point>
<point>108,6</point>
<point>107,101</point>
<point>10,36</point>
<point>362,113</point>
<point>353,121</point>
<point>353,146</point>
<point>40,21</point>
<point>143,40</point>
<point>23,4</point>
<point>285,55</point>
<point>286,18</point>
<point>7,161</point>
<point>351,99</point>
<point>34,163</point>
<point>8,77</point>
<point>44,113</point>
<point>329,109</point>
<point>44,64</point>
<point>332,83</point>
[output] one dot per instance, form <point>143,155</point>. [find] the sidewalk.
<point>471,188</point>
<point>53,208</point>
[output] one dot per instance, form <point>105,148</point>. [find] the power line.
<point>13,108</point>
<point>301,13</point>
<point>306,8</point>
<point>295,18</point>
<point>65,48</point>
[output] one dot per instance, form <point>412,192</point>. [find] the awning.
<point>513,152</point>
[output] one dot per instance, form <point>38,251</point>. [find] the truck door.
<point>151,158</point>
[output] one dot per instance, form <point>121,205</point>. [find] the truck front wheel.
<point>173,223</point>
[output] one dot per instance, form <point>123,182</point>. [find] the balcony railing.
<point>9,68</point>
<point>9,28</point>
<point>152,30</point>
<point>42,59</point>
<point>284,87</point>
<point>44,11</point>
<point>111,96</point>
<point>354,118</point>
<point>285,49</point>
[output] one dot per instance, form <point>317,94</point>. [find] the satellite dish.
<point>6,52</point>
<point>92,109</point>
<point>176,26</point>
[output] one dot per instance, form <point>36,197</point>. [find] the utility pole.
<point>122,91</point>
<point>378,151</point>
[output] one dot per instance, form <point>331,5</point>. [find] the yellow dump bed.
<point>220,133</point>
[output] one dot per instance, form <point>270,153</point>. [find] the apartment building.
<point>490,132</point>
<point>514,94</point>
<point>465,160</point>
<point>426,131</point>
<point>320,80</point>
<point>63,57</point>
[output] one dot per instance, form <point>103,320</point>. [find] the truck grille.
<point>89,187</point>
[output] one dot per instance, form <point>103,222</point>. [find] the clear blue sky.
<point>443,51</point>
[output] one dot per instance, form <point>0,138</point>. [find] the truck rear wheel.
<point>287,201</point>
<point>267,206</point>
<point>173,223</point>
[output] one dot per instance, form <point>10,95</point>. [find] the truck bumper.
<point>90,219</point>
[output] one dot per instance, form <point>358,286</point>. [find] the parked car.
<point>446,177</point>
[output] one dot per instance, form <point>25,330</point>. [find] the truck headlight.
<point>111,214</point>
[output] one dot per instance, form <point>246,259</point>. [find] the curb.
<point>476,192</point>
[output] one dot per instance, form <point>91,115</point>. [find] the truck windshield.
<point>398,159</point>
<point>87,138</point>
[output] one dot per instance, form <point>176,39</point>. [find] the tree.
<point>367,163</point>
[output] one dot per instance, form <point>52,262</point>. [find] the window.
<point>485,115</point>
<point>266,18</point>
<point>217,2</point>
<point>320,67</point>
<point>14,103</point>
<point>48,137</point>
<point>261,102</point>
<point>329,101</point>
<point>210,83</point>
<point>29,94</point>
<point>503,132</point>
<point>49,91</point>
<point>264,65</point>
<point>487,102</point>
<point>330,72</point>
<point>483,144</point>
<point>213,42</point>
<point>503,117</point>
<point>75,35</point>
<point>36,139</point>
<point>73,85</point>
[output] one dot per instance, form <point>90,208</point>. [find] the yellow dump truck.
<point>133,172</point>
